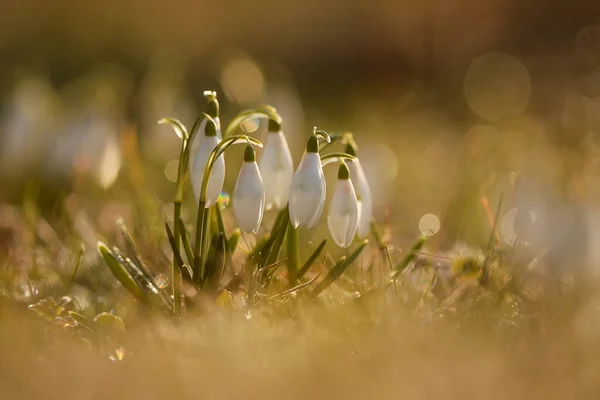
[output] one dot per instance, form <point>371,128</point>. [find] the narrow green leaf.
<point>270,255</point>
<point>410,256</point>
<point>338,269</point>
<point>132,251</point>
<point>293,253</point>
<point>313,257</point>
<point>81,320</point>
<point>187,246</point>
<point>121,273</point>
<point>295,289</point>
<point>234,240</point>
<point>185,273</point>
<point>77,264</point>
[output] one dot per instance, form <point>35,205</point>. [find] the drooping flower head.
<point>276,167</point>
<point>308,189</point>
<point>206,144</point>
<point>212,109</point>
<point>249,194</point>
<point>342,217</point>
<point>363,192</point>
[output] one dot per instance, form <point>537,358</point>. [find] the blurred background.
<point>450,101</point>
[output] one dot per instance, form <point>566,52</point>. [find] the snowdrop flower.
<point>212,109</point>
<point>363,191</point>
<point>342,218</point>
<point>206,145</point>
<point>307,192</point>
<point>276,168</point>
<point>249,194</point>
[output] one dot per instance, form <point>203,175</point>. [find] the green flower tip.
<point>350,149</point>
<point>211,128</point>
<point>343,172</point>
<point>212,107</point>
<point>249,154</point>
<point>274,126</point>
<point>312,146</point>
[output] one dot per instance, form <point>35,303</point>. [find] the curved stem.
<point>260,112</point>
<point>335,157</point>
<point>182,132</point>
<point>201,219</point>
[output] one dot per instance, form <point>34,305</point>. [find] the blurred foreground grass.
<point>477,312</point>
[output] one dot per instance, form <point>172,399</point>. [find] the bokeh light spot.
<point>507,225</point>
<point>381,168</point>
<point>429,224</point>
<point>496,86</point>
<point>171,170</point>
<point>110,164</point>
<point>250,125</point>
<point>242,80</point>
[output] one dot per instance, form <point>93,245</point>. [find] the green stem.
<point>206,243</point>
<point>199,240</point>
<point>176,273</point>
<point>293,255</point>
<point>203,214</point>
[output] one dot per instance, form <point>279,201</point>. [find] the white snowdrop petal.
<point>317,215</point>
<point>249,198</point>
<point>199,137</point>
<point>217,176</point>
<point>342,217</point>
<point>361,186</point>
<point>276,168</point>
<point>307,192</point>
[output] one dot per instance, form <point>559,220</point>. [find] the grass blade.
<point>77,265</point>
<point>410,256</point>
<point>185,272</point>
<point>313,257</point>
<point>338,269</point>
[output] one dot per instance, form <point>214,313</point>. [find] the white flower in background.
<point>363,192</point>
<point>249,194</point>
<point>308,189</point>
<point>342,217</point>
<point>276,167</point>
<point>206,144</point>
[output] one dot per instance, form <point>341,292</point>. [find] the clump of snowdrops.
<point>201,257</point>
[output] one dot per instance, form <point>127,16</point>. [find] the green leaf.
<point>313,257</point>
<point>187,246</point>
<point>409,257</point>
<point>338,269</point>
<point>177,126</point>
<point>109,322</point>
<point>185,272</point>
<point>260,112</point>
<point>270,254</point>
<point>121,273</point>
<point>132,251</point>
<point>234,239</point>
<point>295,289</point>
<point>81,320</point>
